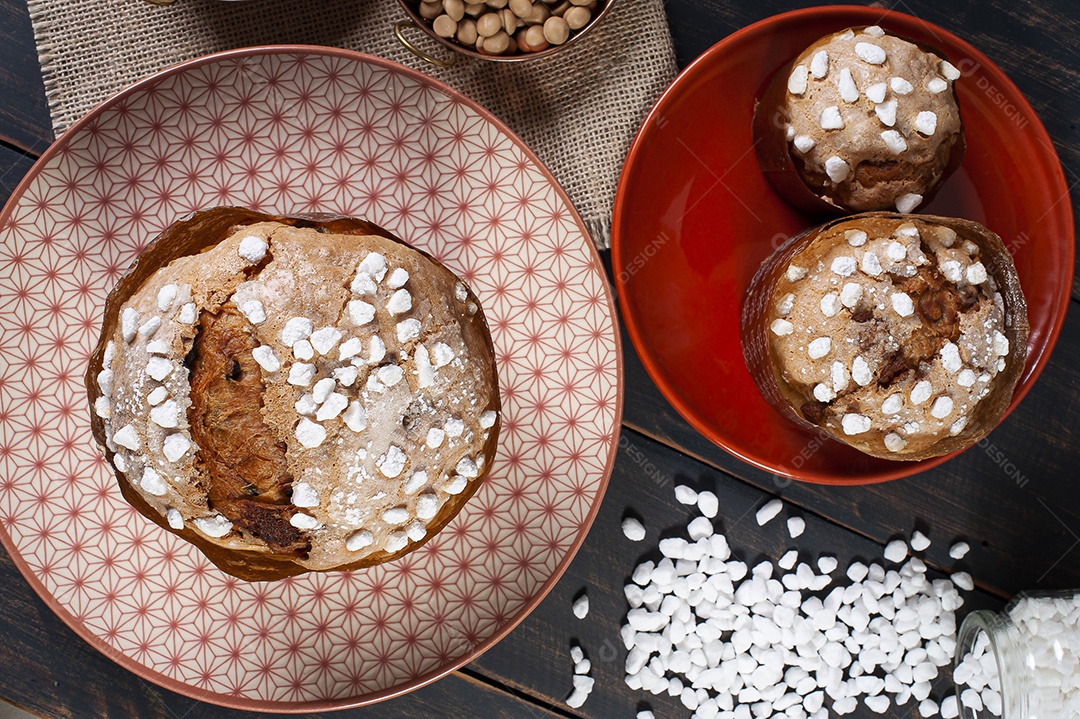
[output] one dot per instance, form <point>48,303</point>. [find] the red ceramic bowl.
<point>694,217</point>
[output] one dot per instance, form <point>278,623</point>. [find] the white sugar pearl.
<point>837,168</point>
<point>129,323</point>
<point>894,141</point>
<point>407,330</point>
<point>870,264</point>
<point>853,423</point>
<point>768,512</point>
<point>830,305</point>
<point>831,119</point>
<point>355,417</point>
<point>819,64</point>
<point>870,53</point>
<point>708,504</point>
<point>919,541</point>
<point>886,113</point>
<point>395,516</point>
<point>334,405</point>
<point>781,327</point>
<point>360,312</point>
<point>850,294</point>
<point>796,273</point>
<point>392,463</point>
<point>926,123</point>
<point>304,495</point>
<point>796,84</point>
<point>148,328</point>
<point>302,350</point>
<point>699,528</point>
<point>254,311</point>
<point>796,526</point>
<point>373,265</point>
<point>819,347</point>
<point>358,540</point>
<point>900,86</point>
<point>908,202</point>
<point>959,550</point>
<point>427,505</point>
<point>896,551</point>
<point>252,248</point>
<point>976,273</point>
<point>166,415</point>
<point>399,302</point>
<point>1000,344</point>
<point>633,529</point>
<point>902,304</point>
<point>876,93</point>
<point>942,407</point>
<point>325,339</point>
<point>188,314</point>
<point>159,368</point>
<point>804,143</point>
<point>827,565</point>
<point>846,85</point>
<point>301,374</point>
<point>127,437</point>
<point>685,495</point>
<point>156,396</point>
<point>350,348</point>
<point>921,392</point>
<point>296,329</point>
<point>892,404</point>
<point>153,483</point>
<point>166,295</point>
<point>860,371</point>
<point>789,559</point>
<point>174,518</point>
<point>855,238</point>
<point>266,358</point>
<point>581,606</point>
<point>844,266</point>
<point>309,434</point>
<point>216,526</point>
<point>963,580</point>
<point>175,446</point>
<point>949,71</point>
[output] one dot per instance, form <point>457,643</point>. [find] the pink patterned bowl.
<point>294,130</point>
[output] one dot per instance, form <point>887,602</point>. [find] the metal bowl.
<point>415,21</point>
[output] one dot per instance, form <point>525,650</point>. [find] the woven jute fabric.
<point>577,109</point>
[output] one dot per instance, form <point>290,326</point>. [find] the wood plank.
<point>13,166</point>
<point>536,654</point>
<point>1013,497</point>
<point>48,670</point>
<point>24,113</point>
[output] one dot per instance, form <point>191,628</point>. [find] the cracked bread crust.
<point>204,391</point>
<point>901,336</point>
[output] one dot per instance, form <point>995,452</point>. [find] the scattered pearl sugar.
<point>633,529</point>
<point>582,682</point>
<point>796,526</point>
<point>296,329</point>
<point>174,518</point>
<point>919,541</point>
<point>959,550</point>
<point>708,504</point>
<point>685,495</point>
<point>768,511</point>
<point>252,248</point>
<point>265,356</point>
<point>581,606</point>
<point>733,644</point>
<point>896,551</point>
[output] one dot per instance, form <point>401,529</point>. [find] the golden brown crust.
<point>897,349</point>
<point>255,498</point>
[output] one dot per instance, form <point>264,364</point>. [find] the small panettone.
<point>294,394</point>
<point>860,120</point>
<point>901,336</point>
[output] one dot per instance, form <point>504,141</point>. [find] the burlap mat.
<point>577,110</point>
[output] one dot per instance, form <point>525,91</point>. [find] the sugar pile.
<point>738,642</point>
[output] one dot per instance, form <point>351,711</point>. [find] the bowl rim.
<point>426,27</point>
<point>850,14</point>
<point>272,706</point>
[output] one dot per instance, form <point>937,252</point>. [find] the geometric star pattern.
<point>286,131</point>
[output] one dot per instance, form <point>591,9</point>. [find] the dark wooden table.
<point>1014,498</point>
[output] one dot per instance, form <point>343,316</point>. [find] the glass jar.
<point>1021,663</point>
